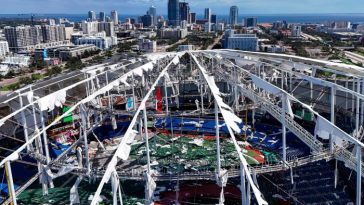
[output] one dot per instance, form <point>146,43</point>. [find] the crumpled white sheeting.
<point>150,187</point>
<point>324,128</point>
<point>256,191</point>
<point>288,107</point>
<point>126,147</point>
<point>113,122</point>
<point>30,96</point>
<point>47,175</point>
<point>222,178</point>
<point>74,197</point>
<point>230,118</point>
<point>50,101</point>
<point>265,85</point>
<point>115,183</point>
<point>255,177</point>
<point>222,197</point>
<point>175,61</point>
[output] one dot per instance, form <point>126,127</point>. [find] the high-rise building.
<point>147,20</point>
<point>296,31</point>
<point>184,11</point>
<point>53,33</point>
<point>21,37</point>
<point>108,27</point>
<point>90,28</point>
<point>115,17</point>
<point>173,12</point>
<point>208,14</point>
<point>279,25</point>
<point>4,48</point>
<point>234,13</point>
<point>214,18</point>
<point>192,17</point>
<point>102,17</point>
<point>250,22</point>
<point>92,16</point>
<point>153,12</point>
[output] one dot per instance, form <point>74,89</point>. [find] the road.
<point>164,48</point>
<point>355,58</point>
<point>217,40</point>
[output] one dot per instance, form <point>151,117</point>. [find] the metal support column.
<point>332,118</point>
<point>217,138</point>
<point>166,95</point>
<point>84,132</point>
<point>362,103</point>
<point>248,195</point>
<point>336,173</point>
<point>9,177</point>
<point>242,185</point>
<point>357,111</point>
<point>45,141</point>
<point>146,137</point>
<point>133,89</point>
<point>108,92</point>
<point>284,97</point>
<point>358,175</point>
<point>25,126</point>
<point>201,91</point>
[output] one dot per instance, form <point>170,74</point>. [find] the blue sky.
<point>218,6</point>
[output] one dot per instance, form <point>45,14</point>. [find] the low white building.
<point>244,42</point>
<point>17,61</point>
<point>175,33</point>
<point>4,48</point>
<point>148,46</point>
<point>99,40</point>
<point>186,48</point>
<point>4,69</point>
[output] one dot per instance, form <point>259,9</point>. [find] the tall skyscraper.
<point>92,16</point>
<point>115,17</point>
<point>184,11</point>
<point>214,18</point>
<point>234,13</point>
<point>102,17</point>
<point>147,20</point>
<point>208,14</point>
<point>153,13</point>
<point>250,22</point>
<point>173,12</point>
<point>192,17</point>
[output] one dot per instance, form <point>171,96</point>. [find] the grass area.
<point>10,87</point>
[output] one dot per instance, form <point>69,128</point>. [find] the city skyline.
<point>129,7</point>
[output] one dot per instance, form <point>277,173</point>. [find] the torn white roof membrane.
<point>265,85</point>
<point>114,160</point>
<point>229,123</point>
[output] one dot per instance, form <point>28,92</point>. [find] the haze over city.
<point>220,6</point>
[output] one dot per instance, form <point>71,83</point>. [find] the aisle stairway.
<point>314,184</point>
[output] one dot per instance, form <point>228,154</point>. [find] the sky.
<point>217,6</point>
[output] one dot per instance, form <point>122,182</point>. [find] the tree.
<point>25,81</point>
<point>108,54</point>
<point>10,74</point>
<point>54,71</point>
